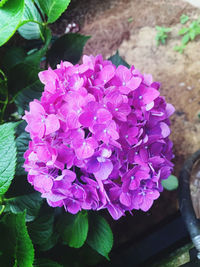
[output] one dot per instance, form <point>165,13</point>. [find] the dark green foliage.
<point>100,236</point>
<point>46,263</point>
<point>117,60</point>
<point>67,48</point>
<point>15,243</point>
<point>7,155</point>
<point>31,203</point>
<point>74,229</point>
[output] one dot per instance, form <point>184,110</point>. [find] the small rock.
<point>181,84</point>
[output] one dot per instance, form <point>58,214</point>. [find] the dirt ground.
<point>129,26</point>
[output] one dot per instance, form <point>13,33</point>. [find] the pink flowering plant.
<point>90,135</point>
<point>99,138</point>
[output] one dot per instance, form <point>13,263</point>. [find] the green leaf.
<point>69,47</point>
<point>24,247</point>
<point>16,55</point>
<point>166,29</point>
<point>30,31</point>
<point>7,155</point>
<point>53,8</point>
<point>22,142</point>
<point>25,74</point>
<point>41,229</point>
<point>22,99</point>
<point>193,24</point>
<point>12,57</point>
<point>15,243</point>
<point>7,245</point>
<point>100,236</point>
<point>74,229</point>
<point>31,203</point>
<point>161,35</point>
<point>180,48</point>
<point>162,29</point>
<point>21,76</point>
<point>29,28</point>
<point>197,30</point>
<point>2,2</point>
<point>192,34</point>
<point>163,39</point>
<point>171,183</point>
<point>183,31</point>
<point>117,60</point>
<point>89,256</point>
<point>158,28</point>
<point>10,13</point>
<point>50,243</point>
<point>185,39</point>
<point>46,263</point>
<point>183,19</point>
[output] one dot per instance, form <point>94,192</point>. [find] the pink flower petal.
<point>149,95</point>
<point>52,124</point>
<point>86,150</point>
<point>48,77</point>
<point>123,73</point>
<point>107,73</point>
<point>43,183</point>
<point>103,115</point>
<point>134,83</point>
<point>87,119</point>
<point>36,108</point>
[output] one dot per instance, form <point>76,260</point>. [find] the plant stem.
<point>2,209</point>
<point>4,107</point>
<point>5,103</point>
<point>3,74</point>
<point>1,203</point>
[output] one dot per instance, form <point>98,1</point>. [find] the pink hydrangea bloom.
<point>100,138</point>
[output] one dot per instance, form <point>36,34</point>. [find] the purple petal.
<point>104,170</point>
<point>115,211</point>
<point>125,199</point>
<point>72,206</point>
<point>165,131</point>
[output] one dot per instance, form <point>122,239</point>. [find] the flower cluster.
<point>99,138</point>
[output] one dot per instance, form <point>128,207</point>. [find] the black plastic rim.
<point>185,201</point>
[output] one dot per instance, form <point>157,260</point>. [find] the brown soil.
<point>108,22</point>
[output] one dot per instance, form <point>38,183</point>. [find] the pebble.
<point>181,84</point>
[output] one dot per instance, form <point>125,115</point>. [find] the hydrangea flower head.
<point>99,138</point>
